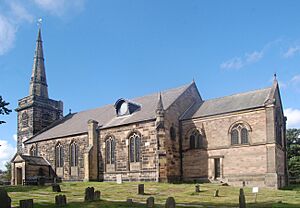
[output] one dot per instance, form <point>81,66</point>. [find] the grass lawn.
<point>115,195</point>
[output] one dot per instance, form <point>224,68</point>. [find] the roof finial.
<point>275,76</point>
<point>160,106</point>
<point>39,22</point>
<point>70,111</point>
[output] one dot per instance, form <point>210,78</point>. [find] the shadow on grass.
<point>23,188</point>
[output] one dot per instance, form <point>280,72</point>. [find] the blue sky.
<point>99,51</point>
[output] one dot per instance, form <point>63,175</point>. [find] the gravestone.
<point>141,189</point>
<point>27,203</point>
<point>89,194</point>
<point>216,194</point>
<point>150,202</point>
<point>56,187</point>
<point>119,179</point>
<point>170,203</point>
<point>129,201</point>
<point>5,200</point>
<point>60,200</point>
<point>242,199</point>
<point>197,188</point>
<point>97,195</point>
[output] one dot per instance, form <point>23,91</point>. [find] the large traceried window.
<point>134,147</point>
<point>239,134</point>
<point>110,145</point>
<point>73,154</point>
<point>196,140</point>
<point>59,155</point>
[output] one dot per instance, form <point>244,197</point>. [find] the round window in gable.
<point>172,133</point>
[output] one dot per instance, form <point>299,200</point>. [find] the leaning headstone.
<point>150,202</point>
<point>60,200</point>
<point>27,203</point>
<point>170,203</point>
<point>97,195</point>
<point>5,200</point>
<point>141,189</point>
<point>197,188</point>
<point>89,194</point>
<point>56,187</point>
<point>242,199</point>
<point>216,194</point>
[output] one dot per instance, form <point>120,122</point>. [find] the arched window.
<point>234,137</point>
<point>33,151</point>
<point>244,136</point>
<point>134,147</point>
<point>73,154</point>
<point>24,119</point>
<point>240,134</point>
<point>172,133</point>
<point>110,145</point>
<point>196,140</point>
<point>59,155</point>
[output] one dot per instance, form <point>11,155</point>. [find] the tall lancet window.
<point>110,145</point>
<point>73,154</point>
<point>134,147</point>
<point>24,119</point>
<point>59,155</point>
<point>33,151</point>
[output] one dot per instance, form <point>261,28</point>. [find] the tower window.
<point>24,119</point>
<point>172,133</point>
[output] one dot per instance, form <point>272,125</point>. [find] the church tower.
<point>36,111</point>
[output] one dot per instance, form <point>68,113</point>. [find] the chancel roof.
<point>106,116</point>
<point>232,103</point>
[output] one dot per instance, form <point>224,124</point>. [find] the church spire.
<point>38,83</point>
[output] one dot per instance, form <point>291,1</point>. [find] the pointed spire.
<point>38,83</point>
<point>160,106</point>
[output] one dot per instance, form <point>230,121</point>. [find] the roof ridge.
<point>237,94</point>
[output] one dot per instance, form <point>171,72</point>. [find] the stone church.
<point>170,136</point>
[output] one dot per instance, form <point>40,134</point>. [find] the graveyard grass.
<point>115,195</point>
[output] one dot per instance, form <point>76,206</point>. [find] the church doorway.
<point>19,176</point>
<point>217,168</point>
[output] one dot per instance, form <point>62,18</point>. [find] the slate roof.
<point>34,160</point>
<point>232,103</point>
<point>106,116</point>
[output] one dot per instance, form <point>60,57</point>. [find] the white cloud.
<point>15,137</point>
<point>254,57</point>
<point>291,51</point>
<point>19,12</point>
<point>7,151</point>
<point>293,117</point>
<point>7,34</point>
<point>59,7</point>
<point>296,79</point>
<point>239,62</point>
<point>234,63</point>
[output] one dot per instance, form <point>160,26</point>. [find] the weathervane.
<point>39,22</point>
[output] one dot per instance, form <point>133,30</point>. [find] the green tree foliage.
<point>8,171</point>
<point>3,108</point>
<point>293,148</point>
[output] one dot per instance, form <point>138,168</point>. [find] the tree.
<point>3,108</point>
<point>293,150</point>
<point>7,175</point>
